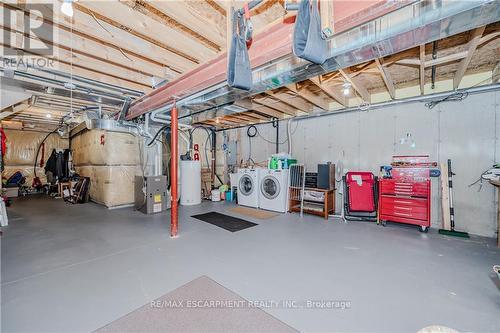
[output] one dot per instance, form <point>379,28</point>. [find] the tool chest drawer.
<point>416,189</point>
<point>404,207</point>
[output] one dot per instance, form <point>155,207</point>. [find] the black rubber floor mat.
<point>225,221</point>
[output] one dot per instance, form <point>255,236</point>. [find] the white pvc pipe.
<point>289,136</point>
<point>164,119</point>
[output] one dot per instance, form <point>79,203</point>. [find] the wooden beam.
<point>433,62</point>
<point>86,50</point>
<point>489,37</point>
<point>14,109</point>
<point>254,12</point>
<point>148,9</point>
<point>240,119</point>
<point>197,16</point>
<point>217,7</point>
<point>422,69</point>
<point>309,96</point>
<point>356,84</point>
<point>471,47</point>
<point>116,24</point>
<point>249,105</point>
<point>245,117</point>
<point>336,95</point>
<point>132,51</point>
<point>293,101</point>
<point>276,104</point>
<point>82,61</point>
<point>263,7</point>
<point>257,115</point>
<point>386,76</point>
<point>233,119</point>
<point>93,73</point>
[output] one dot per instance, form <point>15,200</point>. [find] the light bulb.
<point>48,115</point>
<point>346,88</point>
<point>67,8</point>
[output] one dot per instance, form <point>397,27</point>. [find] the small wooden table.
<point>496,183</point>
<point>323,208</point>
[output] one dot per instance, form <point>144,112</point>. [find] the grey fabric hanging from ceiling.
<point>239,72</point>
<point>308,42</point>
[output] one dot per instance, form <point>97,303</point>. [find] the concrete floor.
<point>77,268</point>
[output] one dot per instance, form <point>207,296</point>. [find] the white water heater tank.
<point>190,176</point>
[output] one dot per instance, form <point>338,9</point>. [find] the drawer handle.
<point>403,202</point>
<point>402,214</point>
<point>404,208</point>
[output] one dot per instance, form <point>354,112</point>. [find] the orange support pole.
<point>174,127</point>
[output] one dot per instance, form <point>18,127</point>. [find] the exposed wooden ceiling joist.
<point>336,95</point>
<point>276,104</point>
<point>91,62</point>
<point>133,27</point>
<point>257,115</point>
<point>197,16</point>
<point>109,38</point>
<point>152,11</point>
<point>89,48</point>
<point>14,109</point>
<point>356,84</point>
<point>217,7</point>
<point>293,101</point>
<point>309,96</point>
<point>475,39</point>
<point>249,105</point>
<point>80,68</point>
<point>386,76</point>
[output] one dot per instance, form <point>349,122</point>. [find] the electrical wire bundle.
<point>455,97</point>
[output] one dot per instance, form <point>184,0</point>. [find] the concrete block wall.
<point>464,131</point>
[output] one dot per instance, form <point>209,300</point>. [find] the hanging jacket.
<point>51,163</point>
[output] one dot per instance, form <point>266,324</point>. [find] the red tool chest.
<point>406,197</point>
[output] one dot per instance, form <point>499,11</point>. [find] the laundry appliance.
<point>248,187</point>
<point>273,187</point>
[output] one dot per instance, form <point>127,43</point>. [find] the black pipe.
<point>276,124</point>
<point>214,157</point>
<point>433,70</point>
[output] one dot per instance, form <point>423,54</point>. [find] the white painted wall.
<point>464,131</point>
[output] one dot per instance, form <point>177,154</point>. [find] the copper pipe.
<point>174,133</point>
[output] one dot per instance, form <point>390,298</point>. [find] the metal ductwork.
<point>418,23</point>
<point>108,125</point>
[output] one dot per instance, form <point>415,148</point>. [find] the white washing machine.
<point>248,187</point>
<point>273,186</point>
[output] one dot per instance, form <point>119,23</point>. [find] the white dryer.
<point>248,187</point>
<point>274,190</point>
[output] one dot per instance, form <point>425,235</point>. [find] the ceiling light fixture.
<point>48,115</point>
<point>67,8</point>
<point>346,88</point>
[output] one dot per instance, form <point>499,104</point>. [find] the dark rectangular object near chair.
<point>227,222</point>
<point>326,176</point>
